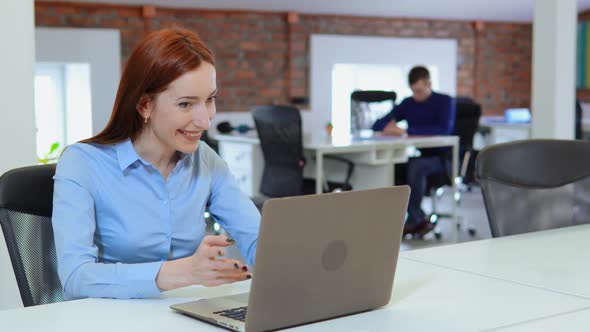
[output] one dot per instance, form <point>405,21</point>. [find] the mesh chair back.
<point>535,185</point>
<point>279,131</point>
<point>361,115</point>
<point>26,196</point>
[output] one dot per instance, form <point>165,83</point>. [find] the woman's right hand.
<point>211,269</point>
<point>207,267</point>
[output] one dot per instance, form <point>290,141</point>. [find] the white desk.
<point>501,131</point>
<point>425,298</point>
<point>374,158</point>
<point>574,321</point>
<point>555,260</point>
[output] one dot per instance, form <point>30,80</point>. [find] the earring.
<point>145,120</point>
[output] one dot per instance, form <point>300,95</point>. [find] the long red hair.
<point>160,58</point>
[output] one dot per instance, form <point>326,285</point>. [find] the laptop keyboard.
<point>235,313</point>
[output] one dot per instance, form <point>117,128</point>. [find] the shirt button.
<point>165,202</point>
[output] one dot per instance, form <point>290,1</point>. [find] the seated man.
<point>427,113</point>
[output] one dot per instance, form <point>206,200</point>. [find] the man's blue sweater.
<point>434,116</point>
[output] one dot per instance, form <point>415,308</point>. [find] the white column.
<point>17,112</point>
<point>17,70</point>
<point>554,49</point>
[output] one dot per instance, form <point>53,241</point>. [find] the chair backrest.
<point>534,185</point>
<point>26,200</point>
<point>361,116</point>
<point>578,130</point>
<point>467,114</point>
<point>279,131</point>
<point>373,96</point>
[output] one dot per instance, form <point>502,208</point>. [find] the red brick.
<point>243,75</point>
<point>251,48</point>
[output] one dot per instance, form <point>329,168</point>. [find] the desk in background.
<point>426,296</point>
<point>374,158</point>
<point>495,130</point>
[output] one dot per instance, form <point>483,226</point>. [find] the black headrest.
<point>372,96</point>
<point>28,190</point>
<point>539,163</point>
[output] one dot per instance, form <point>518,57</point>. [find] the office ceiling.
<point>489,10</point>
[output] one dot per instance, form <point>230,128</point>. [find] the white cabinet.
<point>503,132</point>
<point>246,163</point>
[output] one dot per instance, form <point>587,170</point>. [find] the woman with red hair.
<point>129,202</point>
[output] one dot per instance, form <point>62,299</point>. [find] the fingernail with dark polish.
<point>236,265</point>
<point>249,276</point>
<point>244,268</point>
<point>230,240</point>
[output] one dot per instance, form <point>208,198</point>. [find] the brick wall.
<point>263,57</point>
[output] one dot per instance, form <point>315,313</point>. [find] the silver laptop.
<point>318,257</point>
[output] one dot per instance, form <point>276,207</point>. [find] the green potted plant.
<point>52,156</point>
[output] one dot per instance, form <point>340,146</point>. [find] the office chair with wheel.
<point>26,201</point>
<point>280,134</point>
<point>467,114</point>
<point>535,185</point>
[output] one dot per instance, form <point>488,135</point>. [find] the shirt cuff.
<point>144,276</point>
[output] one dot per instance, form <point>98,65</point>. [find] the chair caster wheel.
<point>471,232</point>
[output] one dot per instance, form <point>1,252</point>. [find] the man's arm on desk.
<point>444,125</point>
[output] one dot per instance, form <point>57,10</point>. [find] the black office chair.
<point>26,200</point>
<point>535,185</point>
<point>213,143</point>
<point>579,131</point>
<point>361,116</point>
<point>467,114</point>
<point>280,134</point>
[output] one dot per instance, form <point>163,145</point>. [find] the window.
<point>339,64</point>
<point>347,78</point>
<point>62,107</point>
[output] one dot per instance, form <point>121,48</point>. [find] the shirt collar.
<point>185,158</point>
<point>127,155</point>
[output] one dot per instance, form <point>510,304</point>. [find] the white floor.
<point>471,212</point>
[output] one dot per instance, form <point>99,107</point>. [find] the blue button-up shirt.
<point>115,218</point>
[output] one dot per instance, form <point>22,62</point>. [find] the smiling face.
<point>178,115</point>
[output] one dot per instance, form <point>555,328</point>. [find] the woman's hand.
<point>205,267</point>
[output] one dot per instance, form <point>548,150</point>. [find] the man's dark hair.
<point>418,73</point>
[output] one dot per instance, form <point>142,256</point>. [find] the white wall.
<point>17,112</point>
<point>328,50</point>
<point>553,79</point>
<point>17,63</point>
<point>101,48</point>
<point>10,296</point>
<point>78,102</point>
